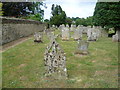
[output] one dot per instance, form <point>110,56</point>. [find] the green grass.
<point>23,65</point>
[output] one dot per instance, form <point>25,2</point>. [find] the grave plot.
<point>55,61</point>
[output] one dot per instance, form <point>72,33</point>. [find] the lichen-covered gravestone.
<point>82,48</point>
<point>38,37</point>
<point>55,61</point>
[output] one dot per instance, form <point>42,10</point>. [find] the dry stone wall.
<point>13,29</point>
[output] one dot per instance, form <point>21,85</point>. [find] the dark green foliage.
<point>84,22</point>
<point>37,17</point>
<point>46,20</point>
<point>107,14</point>
<point>58,15</point>
<point>19,9</point>
<point>68,21</point>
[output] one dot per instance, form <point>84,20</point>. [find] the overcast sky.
<point>73,8</point>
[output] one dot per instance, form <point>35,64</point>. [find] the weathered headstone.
<point>72,28</point>
<point>92,34</point>
<point>50,35</point>
<point>55,61</point>
<point>116,37</point>
<point>84,31</point>
<point>82,48</point>
<point>78,33</point>
<point>38,37</point>
<point>65,33</point>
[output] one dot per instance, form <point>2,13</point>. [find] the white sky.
<point>73,8</point>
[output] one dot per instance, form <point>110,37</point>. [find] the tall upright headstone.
<point>55,61</point>
<point>78,33</point>
<point>72,28</point>
<point>65,33</point>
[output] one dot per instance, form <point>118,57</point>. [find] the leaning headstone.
<point>55,61</point>
<point>38,37</point>
<point>65,34</point>
<point>82,48</point>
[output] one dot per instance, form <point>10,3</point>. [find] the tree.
<point>107,14</point>
<point>89,21</point>
<point>58,15</point>
<point>81,21</point>
<point>19,9</point>
<point>68,21</point>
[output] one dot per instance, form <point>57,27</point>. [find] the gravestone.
<point>61,27</point>
<point>97,30</point>
<point>50,35</point>
<point>65,33</point>
<point>72,28</point>
<point>92,34</point>
<point>82,47</point>
<point>53,28</point>
<point>116,37</point>
<point>55,61</point>
<point>84,31</point>
<point>38,37</point>
<point>77,34</point>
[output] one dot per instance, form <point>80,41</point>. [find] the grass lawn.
<point>23,65</point>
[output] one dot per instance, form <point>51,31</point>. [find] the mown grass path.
<point>23,65</point>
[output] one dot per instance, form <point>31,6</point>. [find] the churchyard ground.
<point>23,65</point>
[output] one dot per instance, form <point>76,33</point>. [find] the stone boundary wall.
<point>13,28</point>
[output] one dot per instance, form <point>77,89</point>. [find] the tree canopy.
<point>58,15</point>
<point>19,9</point>
<point>107,14</point>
